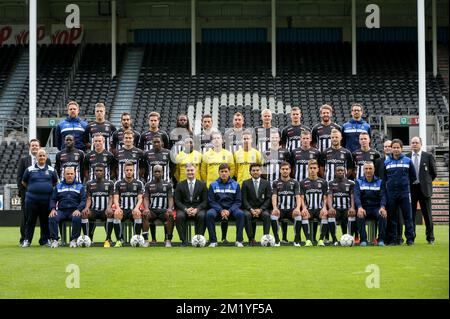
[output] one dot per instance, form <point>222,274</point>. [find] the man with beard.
<point>321,138</point>
<point>70,157</point>
<point>117,138</point>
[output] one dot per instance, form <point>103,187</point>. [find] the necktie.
<point>33,160</point>
<point>191,190</point>
<point>256,187</point>
<point>416,165</point>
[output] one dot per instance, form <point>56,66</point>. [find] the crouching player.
<point>99,199</point>
<point>370,200</point>
<point>341,203</point>
<point>128,198</point>
<point>313,197</point>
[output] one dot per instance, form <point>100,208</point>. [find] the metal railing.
<point>10,124</point>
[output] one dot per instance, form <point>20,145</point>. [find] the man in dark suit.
<point>26,161</point>
<point>422,188</point>
<point>191,200</point>
<point>256,202</point>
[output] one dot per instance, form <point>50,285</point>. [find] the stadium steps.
<point>442,57</point>
<point>440,198</point>
<point>13,87</point>
<point>127,84</point>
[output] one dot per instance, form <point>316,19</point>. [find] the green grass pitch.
<point>420,271</point>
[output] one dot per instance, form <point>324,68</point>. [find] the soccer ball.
<point>137,241</point>
<point>198,241</point>
<point>267,241</point>
<point>347,240</point>
<point>84,241</point>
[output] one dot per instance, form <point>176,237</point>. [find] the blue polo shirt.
<point>40,182</point>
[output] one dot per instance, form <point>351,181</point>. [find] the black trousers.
<point>425,208</point>
<point>23,218</point>
<point>35,209</point>
<point>250,223</point>
<point>180,222</point>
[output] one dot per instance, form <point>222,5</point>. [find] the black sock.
<point>91,230</point>
<point>298,230</point>
<point>145,234</point>
<point>109,228</point>
<point>153,231</point>
<point>323,230</point>
<point>118,229</point>
<point>306,231</point>
<point>137,226</point>
<point>332,229</point>
<point>314,231</point>
<point>284,226</point>
<point>224,227</point>
<point>84,226</point>
<point>275,230</point>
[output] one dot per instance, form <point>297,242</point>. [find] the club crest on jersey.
<point>46,173</point>
<point>342,156</point>
<point>311,156</point>
<point>105,158</point>
<point>347,188</point>
<point>76,157</point>
<point>371,157</point>
<point>135,188</point>
<point>319,185</point>
<point>106,187</point>
<point>164,188</point>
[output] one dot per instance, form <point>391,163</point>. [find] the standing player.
<point>313,192</point>
<point>99,126</point>
<point>117,137</point>
<point>99,156</point>
<point>145,143</point>
<point>159,204</point>
<point>128,198</point>
<point>70,157</point>
<point>302,155</point>
<point>233,137</point>
<point>203,141</point>
<point>321,138</point>
<point>264,132</point>
<point>72,125</point>
<point>341,203</point>
<point>286,203</point>
<point>290,136</point>
<point>352,128</point>
<point>244,157</point>
<point>379,163</point>
<point>188,156</point>
<point>131,154</point>
<point>158,156</point>
<point>273,156</point>
<point>335,156</point>
<point>177,136</point>
<point>99,200</point>
<point>364,154</point>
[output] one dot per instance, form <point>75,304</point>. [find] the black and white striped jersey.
<point>262,136</point>
<point>133,155</point>
<point>360,157</point>
<point>272,160</point>
<point>105,158</point>
<point>202,141</point>
<point>299,161</point>
<point>333,158</point>
<point>146,140</point>
<point>321,135</point>
<point>290,136</point>
<point>176,140</point>
<point>233,139</point>
<point>286,192</point>
<point>313,192</point>
<point>152,158</point>
<point>99,193</point>
<point>341,190</point>
<point>158,194</point>
<point>74,158</point>
<point>117,138</point>
<point>128,192</point>
<point>106,129</point>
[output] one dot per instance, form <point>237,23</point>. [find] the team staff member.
<point>72,125</point>
<point>99,126</point>
<point>159,204</point>
<point>224,196</point>
<point>70,157</point>
<point>39,181</point>
<point>99,155</point>
<point>24,163</point>
<point>128,198</point>
<point>341,202</point>
<point>191,199</point>
<point>69,196</point>
<point>422,187</point>
<point>117,137</point>
<point>352,128</point>
<point>313,197</point>
<point>379,163</point>
<point>399,174</point>
<point>256,201</point>
<point>99,200</point>
<point>370,201</point>
<point>244,157</point>
<point>320,133</point>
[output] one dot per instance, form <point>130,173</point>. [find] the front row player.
<point>99,200</point>
<point>370,200</point>
<point>286,203</point>
<point>128,197</point>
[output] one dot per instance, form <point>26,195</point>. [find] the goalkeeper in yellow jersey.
<point>213,158</point>
<point>187,156</point>
<point>244,157</point>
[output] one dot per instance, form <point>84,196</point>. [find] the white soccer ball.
<point>198,241</point>
<point>84,241</point>
<point>347,240</point>
<point>267,241</point>
<point>137,241</point>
